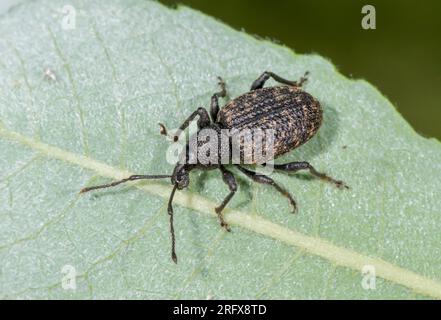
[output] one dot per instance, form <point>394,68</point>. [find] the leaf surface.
<point>128,65</point>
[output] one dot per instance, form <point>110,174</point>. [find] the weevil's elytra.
<point>294,115</point>
<point>291,113</point>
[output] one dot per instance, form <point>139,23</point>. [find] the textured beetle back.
<point>293,114</point>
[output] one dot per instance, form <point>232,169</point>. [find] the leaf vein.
<point>313,245</point>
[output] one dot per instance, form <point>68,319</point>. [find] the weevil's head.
<point>180,176</point>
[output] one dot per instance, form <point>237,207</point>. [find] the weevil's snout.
<point>180,177</point>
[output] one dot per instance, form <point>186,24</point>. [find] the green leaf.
<point>128,65</point>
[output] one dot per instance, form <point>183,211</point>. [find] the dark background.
<point>402,57</point>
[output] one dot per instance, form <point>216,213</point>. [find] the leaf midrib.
<point>314,245</point>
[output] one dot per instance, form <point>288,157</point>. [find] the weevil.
<point>293,115</point>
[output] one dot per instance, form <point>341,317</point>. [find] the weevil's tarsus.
<point>267,180</point>
<point>172,229</point>
<point>296,166</point>
<point>303,79</point>
<point>163,130</point>
<point>131,178</point>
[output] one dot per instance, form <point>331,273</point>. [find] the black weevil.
<point>293,115</point>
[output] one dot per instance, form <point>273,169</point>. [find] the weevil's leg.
<point>203,121</point>
<point>296,166</point>
<point>230,181</point>
<point>260,82</point>
<point>131,178</point>
<point>214,109</point>
<point>267,180</point>
<point>172,229</point>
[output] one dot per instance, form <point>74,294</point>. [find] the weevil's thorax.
<point>205,149</point>
<point>293,115</point>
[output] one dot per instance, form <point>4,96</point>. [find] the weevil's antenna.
<point>172,230</point>
<point>131,178</point>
